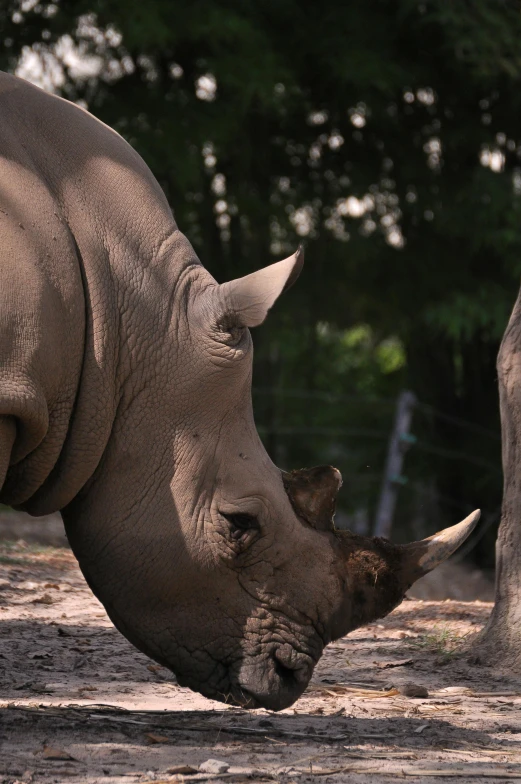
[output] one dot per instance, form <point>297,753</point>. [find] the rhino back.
<point>82,220</point>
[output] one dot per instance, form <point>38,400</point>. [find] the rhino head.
<point>206,556</point>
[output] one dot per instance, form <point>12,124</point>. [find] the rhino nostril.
<point>291,667</point>
<point>285,673</point>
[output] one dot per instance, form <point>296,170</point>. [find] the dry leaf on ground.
<point>185,770</point>
<point>45,599</point>
<point>399,663</point>
<point>53,753</point>
<point>152,737</point>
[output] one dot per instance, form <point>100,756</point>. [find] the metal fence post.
<point>400,440</point>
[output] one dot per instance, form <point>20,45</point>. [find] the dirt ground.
<point>80,704</point>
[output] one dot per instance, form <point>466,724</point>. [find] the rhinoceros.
<point>125,403</point>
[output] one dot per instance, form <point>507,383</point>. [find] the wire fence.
<point>304,427</point>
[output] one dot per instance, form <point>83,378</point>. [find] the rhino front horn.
<point>313,492</point>
<point>424,556</point>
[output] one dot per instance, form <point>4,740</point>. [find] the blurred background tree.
<point>384,135</point>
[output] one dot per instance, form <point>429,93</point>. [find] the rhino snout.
<point>280,681</point>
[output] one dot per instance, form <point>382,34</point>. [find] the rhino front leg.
<point>7,438</point>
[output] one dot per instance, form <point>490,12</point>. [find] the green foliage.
<point>385,134</point>
<point>443,641</point>
<point>343,415</point>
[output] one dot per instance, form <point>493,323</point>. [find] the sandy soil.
<point>80,704</point>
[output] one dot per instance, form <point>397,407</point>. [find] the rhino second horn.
<point>424,556</point>
<point>313,492</point>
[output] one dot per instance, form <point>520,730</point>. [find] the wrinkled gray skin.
<point>125,377</point>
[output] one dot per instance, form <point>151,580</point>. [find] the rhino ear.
<point>250,298</point>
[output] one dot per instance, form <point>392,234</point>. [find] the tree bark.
<point>501,639</point>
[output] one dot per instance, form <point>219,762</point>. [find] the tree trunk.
<point>501,639</point>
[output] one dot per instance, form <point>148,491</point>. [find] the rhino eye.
<point>235,335</point>
<point>241,522</point>
<point>230,331</point>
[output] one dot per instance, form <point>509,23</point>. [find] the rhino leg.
<point>7,437</point>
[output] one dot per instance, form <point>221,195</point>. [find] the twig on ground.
<point>341,688</point>
<point>486,773</point>
<point>232,729</point>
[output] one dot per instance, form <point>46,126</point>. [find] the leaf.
<point>22,685</point>
<point>397,663</point>
<point>54,753</point>
<point>186,770</point>
<point>45,599</point>
<point>153,738</point>
<point>41,654</point>
<point>41,688</point>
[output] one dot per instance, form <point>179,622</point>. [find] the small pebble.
<point>411,689</point>
<point>214,766</point>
